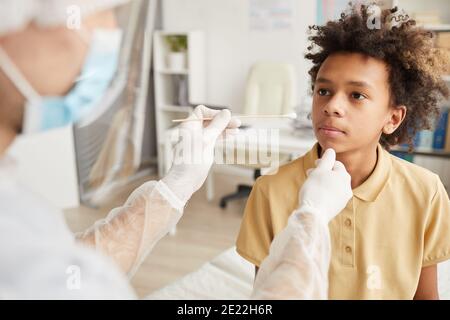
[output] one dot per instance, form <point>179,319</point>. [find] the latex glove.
<point>194,154</point>
<point>327,189</point>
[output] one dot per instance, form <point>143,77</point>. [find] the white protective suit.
<point>39,256</point>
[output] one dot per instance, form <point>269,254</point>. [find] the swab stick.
<point>292,115</point>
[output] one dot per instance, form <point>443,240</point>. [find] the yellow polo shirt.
<point>397,222</point>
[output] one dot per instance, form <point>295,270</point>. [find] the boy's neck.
<point>359,164</point>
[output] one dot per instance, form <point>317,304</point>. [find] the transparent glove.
<point>298,261</point>
<point>299,256</point>
<point>327,189</point>
<point>194,154</point>
<point>129,233</point>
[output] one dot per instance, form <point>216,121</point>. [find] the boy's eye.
<point>358,96</point>
<point>323,92</point>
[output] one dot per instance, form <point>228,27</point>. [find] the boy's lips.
<point>331,131</point>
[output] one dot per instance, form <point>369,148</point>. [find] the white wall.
<point>232,47</point>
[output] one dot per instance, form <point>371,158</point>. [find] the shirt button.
<point>348,222</point>
<point>348,249</point>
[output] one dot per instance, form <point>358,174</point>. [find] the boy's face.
<point>351,102</point>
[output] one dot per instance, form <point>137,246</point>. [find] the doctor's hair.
<point>414,64</point>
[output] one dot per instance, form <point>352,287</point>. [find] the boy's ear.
<point>396,116</point>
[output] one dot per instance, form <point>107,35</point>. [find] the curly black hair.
<point>415,65</point>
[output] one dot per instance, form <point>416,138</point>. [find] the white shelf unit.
<point>165,78</point>
<point>168,71</point>
<point>435,161</point>
<point>439,7</point>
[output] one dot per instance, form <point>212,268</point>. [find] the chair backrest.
<point>271,89</point>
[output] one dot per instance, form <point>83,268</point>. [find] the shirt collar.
<point>372,187</point>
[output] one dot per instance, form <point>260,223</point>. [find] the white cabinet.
<point>178,85</point>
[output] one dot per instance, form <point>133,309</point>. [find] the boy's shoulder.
<point>413,174</point>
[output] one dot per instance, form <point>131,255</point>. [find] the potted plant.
<point>177,55</point>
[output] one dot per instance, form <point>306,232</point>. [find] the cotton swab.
<point>292,115</point>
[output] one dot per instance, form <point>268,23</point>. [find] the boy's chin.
<point>336,146</point>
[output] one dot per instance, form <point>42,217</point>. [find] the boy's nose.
<point>334,107</point>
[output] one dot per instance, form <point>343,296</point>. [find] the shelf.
<point>437,27</point>
<point>168,71</point>
<point>177,108</point>
<point>175,83</point>
<point>423,152</point>
<point>173,32</point>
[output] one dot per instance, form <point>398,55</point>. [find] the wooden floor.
<point>204,232</point>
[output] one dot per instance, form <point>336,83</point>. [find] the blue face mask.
<point>44,113</point>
